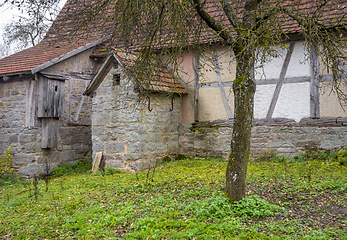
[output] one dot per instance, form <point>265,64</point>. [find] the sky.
<point>7,15</point>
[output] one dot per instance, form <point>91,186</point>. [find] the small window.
<point>115,64</point>
<point>116,79</point>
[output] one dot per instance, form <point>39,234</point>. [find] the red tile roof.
<point>32,57</point>
<point>163,81</point>
<point>51,47</point>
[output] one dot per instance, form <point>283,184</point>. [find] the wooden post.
<point>314,87</point>
<point>81,103</point>
<point>69,100</point>
<point>196,87</point>
<point>97,162</point>
<point>30,104</point>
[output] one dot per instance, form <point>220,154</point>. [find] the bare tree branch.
<point>231,15</point>
<point>212,23</point>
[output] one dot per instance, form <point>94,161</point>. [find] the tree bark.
<point>244,89</point>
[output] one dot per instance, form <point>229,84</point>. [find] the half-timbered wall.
<point>294,106</point>
<point>289,86</point>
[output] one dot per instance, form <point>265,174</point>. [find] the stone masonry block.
<point>280,144</point>
<point>132,156</point>
<point>98,147</point>
<point>136,147</point>
<point>22,159</point>
<point>139,165</point>
<point>30,170</point>
<point>116,164</point>
<point>331,141</point>
<point>67,156</point>
<point>115,147</point>
<point>307,143</point>
<point>286,150</point>
<point>132,136</point>
<point>100,118</point>
<point>13,138</point>
<point>13,116</point>
<point>42,160</point>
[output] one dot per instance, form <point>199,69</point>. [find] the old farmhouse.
<point>62,101</point>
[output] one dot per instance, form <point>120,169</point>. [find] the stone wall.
<point>29,158</point>
<point>130,136</point>
<point>282,140</point>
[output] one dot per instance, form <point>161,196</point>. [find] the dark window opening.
<point>115,64</point>
<point>116,79</point>
<point>56,88</point>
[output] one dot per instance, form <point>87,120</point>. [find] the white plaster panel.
<point>298,66</point>
<point>262,100</point>
<point>293,101</point>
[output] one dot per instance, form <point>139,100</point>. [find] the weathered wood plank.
<point>280,81</point>
<point>59,98</point>
<point>96,162</point>
<point>51,98</point>
<point>273,122</point>
<point>285,122</point>
<point>79,108</point>
<point>322,122</point>
<point>100,75</point>
<point>69,100</point>
<point>79,123</point>
<point>64,76</point>
<point>196,87</point>
<point>42,100</point>
<point>30,104</point>
<point>18,77</point>
<point>81,103</point>
<point>221,87</point>
<point>343,121</point>
<point>49,133</point>
<point>314,87</point>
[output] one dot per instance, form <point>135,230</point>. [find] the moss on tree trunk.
<point>244,89</point>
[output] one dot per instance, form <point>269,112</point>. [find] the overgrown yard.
<point>306,199</point>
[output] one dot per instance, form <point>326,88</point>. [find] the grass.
<point>184,200</point>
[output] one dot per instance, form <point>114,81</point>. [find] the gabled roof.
<point>52,50</point>
<point>58,44</point>
<point>43,55</point>
<point>163,81</point>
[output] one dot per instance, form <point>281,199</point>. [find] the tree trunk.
<point>244,89</point>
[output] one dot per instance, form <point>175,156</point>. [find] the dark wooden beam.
<point>196,87</point>
<point>284,122</point>
<point>64,76</point>
<point>314,87</point>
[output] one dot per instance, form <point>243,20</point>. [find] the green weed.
<point>183,200</point>
<point>77,167</point>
